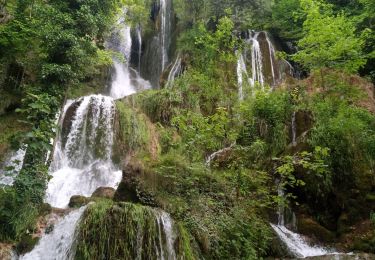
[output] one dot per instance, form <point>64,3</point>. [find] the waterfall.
<point>12,167</point>
<point>296,244</point>
<point>57,245</point>
<point>258,63</point>
<point>241,72</point>
<point>82,160</point>
<point>165,227</point>
<point>175,71</point>
<point>165,30</point>
<point>294,129</point>
<point>139,38</point>
<point>125,80</point>
<point>272,56</point>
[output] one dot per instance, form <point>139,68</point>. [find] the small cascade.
<point>126,81</point>
<point>165,30</point>
<point>258,63</point>
<point>175,71</point>
<point>294,129</point>
<point>82,159</point>
<point>12,167</point>
<point>139,38</point>
<point>59,244</point>
<point>165,228</point>
<point>241,73</point>
<point>296,244</point>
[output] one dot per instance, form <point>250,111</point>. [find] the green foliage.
<point>133,128</point>
<point>287,18</point>
<point>329,40</point>
<point>265,116</point>
<point>204,134</point>
<point>312,163</point>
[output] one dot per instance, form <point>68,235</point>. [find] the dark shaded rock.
<point>127,190</point>
<point>68,120</point>
<point>78,201</point>
<point>26,244</point>
<point>104,192</point>
<point>308,227</point>
<point>131,188</point>
<point>278,249</point>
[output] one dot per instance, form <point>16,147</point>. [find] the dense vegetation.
<point>222,206</point>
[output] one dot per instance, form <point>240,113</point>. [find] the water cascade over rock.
<point>258,64</point>
<point>82,159</point>
<point>126,80</point>
<point>296,244</point>
<point>59,243</point>
<point>157,45</point>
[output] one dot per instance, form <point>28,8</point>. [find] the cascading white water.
<point>82,163</point>
<point>165,227</point>
<point>139,37</point>
<point>241,73</point>
<point>296,244</point>
<point>294,129</point>
<point>57,245</point>
<point>12,167</point>
<point>164,31</point>
<point>121,84</point>
<point>272,56</point>
<point>256,61</point>
<point>258,64</point>
<point>175,71</point>
<point>126,81</point>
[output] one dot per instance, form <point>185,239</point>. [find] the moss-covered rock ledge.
<point>122,230</point>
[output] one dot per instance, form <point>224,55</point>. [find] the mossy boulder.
<point>104,192</point>
<point>309,227</point>
<point>131,232</point>
<point>78,201</point>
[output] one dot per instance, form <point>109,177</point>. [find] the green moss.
<point>129,231</point>
<point>134,131</point>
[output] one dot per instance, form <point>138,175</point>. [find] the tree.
<point>329,40</point>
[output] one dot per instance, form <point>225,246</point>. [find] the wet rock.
<point>307,226</point>
<point>104,192</point>
<point>131,188</point>
<point>68,121</point>
<point>78,201</point>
